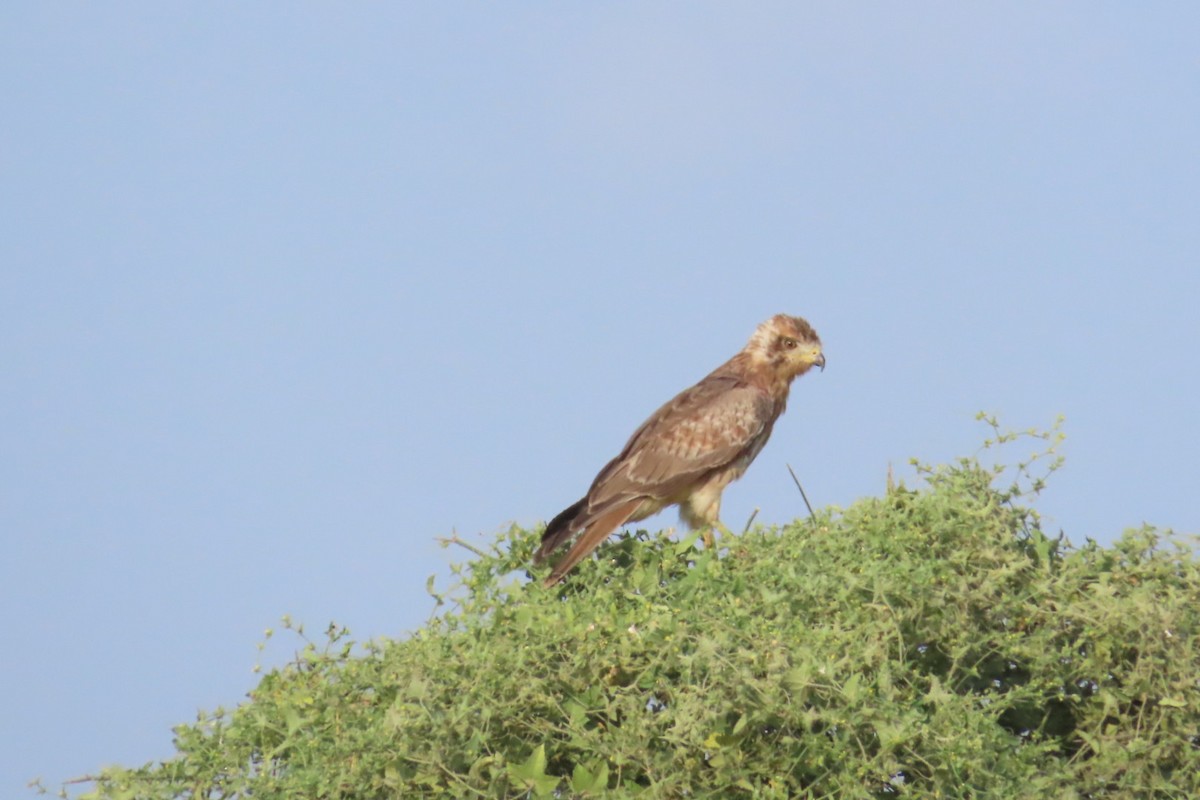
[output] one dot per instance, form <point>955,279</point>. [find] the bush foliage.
<point>927,643</point>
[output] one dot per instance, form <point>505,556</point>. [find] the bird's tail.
<point>560,530</point>
<point>596,528</point>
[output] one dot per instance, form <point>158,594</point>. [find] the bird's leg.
<point>710,530</point>
<point>702,512</point>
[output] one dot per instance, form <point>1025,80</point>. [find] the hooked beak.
<point>820,361</point>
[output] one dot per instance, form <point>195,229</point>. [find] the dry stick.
<point>802,494</point>
<point>750,521</point>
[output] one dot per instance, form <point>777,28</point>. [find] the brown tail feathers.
<point>596,528</point>
<point>560,530</point>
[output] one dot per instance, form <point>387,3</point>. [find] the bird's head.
<point>788,345</point>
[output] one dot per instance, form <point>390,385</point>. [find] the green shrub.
<point>930,643</point>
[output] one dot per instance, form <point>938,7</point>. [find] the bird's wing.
<point>704,428</point>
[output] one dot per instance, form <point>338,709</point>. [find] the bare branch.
<point>802,494</point>
<point>446,541</point>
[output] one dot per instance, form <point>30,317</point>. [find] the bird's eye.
<point>790,344</point>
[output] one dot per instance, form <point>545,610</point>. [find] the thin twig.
<point>750,521</point>
<point>446,541</point>
<point>802,494</point>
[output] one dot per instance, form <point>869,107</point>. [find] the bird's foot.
<point>709,534</point>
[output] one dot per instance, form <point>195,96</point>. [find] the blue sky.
<point>289,290</point>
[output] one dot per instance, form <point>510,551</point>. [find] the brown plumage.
<point>693,447</point>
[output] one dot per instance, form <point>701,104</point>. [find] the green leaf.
<point>687,543</point>
<point>523,617</point>
<point>293,719</point>
<point>852,688</point>
<point>532,769</point>
<point>545,785</point>
<point>586,781</point>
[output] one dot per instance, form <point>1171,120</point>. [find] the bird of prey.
<point>689,450</point>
